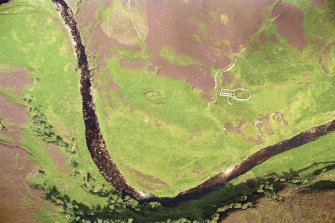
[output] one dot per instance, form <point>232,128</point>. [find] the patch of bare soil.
<point>307,208</point>
<point>149,182</point>
<point>58,158</point>
<point>228,78</point>
<point>15,113</point>
<point>116,88</point>
<point>12,117</point>
<point>15,166</point>
<point>262,126</point>
<point>17,79</point>
<point>317,2</point>
<point>197,76</point>
<point>262,37</point>
<point>230,128</point>
<point>289,22</point>
<point>196,133</point>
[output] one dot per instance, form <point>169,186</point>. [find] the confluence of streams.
<point>97,146</point>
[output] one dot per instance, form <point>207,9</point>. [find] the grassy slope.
<point>174,58</point>
<point>33,38</point>
<point>275,74</point>
<point>132,129</point>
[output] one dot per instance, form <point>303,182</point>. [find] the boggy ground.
<point>16,196</point>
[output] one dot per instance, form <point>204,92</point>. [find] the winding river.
<point>94,139</point>
<point>109,170</point>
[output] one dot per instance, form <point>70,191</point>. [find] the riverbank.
<point>94,139</point>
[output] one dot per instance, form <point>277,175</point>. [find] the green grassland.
<point>159,126</point>
<point>163,128</point>
<point>125,25</point>
<point>173,57</point>
<point>33,39</point>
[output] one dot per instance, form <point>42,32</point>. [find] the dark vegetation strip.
<point>107,167</point>
<point>94,139</point>
<point>3,1</point>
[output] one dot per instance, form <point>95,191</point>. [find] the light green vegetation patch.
<point>175,58</point>
<point>74,5</point>
<point>125,21</point>
<point>47,216</point>
<point>201,32</point>
<point>224,19</point>
<point>130,55</point>
<point>10,95</point>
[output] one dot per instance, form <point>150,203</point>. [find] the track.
<point>109,170</point>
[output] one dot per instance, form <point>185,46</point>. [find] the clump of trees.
<point>117,209</point>
<point>42,128</point>
<point>126,209</point>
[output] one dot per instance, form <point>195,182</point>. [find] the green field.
<point>163,128</point>
<point>162,134</point>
